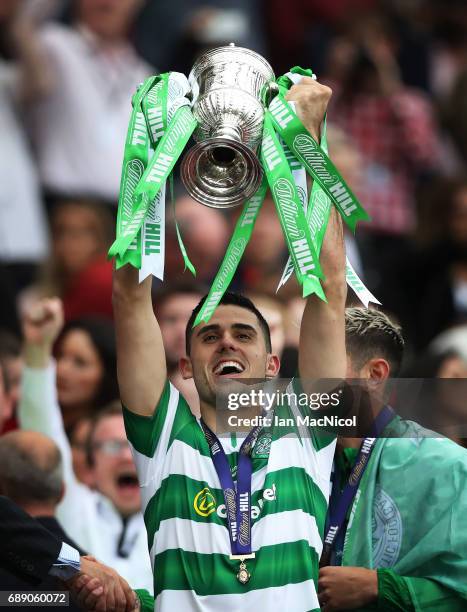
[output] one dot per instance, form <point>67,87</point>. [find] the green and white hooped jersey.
<point>185,516</point>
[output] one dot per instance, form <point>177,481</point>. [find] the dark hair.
<point>102,334</point>
<point>230,299</point>
<point>112,409</point>
<point>369,333</point>
<point>10,347</point>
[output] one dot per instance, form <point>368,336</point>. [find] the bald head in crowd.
<point>31,471</point>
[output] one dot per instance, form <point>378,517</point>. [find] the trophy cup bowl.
<point>222,169</point>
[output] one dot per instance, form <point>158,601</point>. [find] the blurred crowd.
<point>397,131</point>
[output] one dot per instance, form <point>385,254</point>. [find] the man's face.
<point>114,470</point>
<point>230,346</point>
<point>173,317</point>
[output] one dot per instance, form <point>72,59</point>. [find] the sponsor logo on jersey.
<point>204,502</point>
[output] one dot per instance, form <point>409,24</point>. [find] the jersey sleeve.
<point>306,411</point>
<point>149,435</point>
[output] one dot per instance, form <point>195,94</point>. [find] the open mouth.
<point>127,482</point>
<point>228,368</point>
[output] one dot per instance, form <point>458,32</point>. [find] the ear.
<point>272,366</point>
<point>378,370</point>
<point>186,368</point>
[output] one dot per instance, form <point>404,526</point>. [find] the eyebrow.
<point>245,327</point>
<point>215,327</point>
<point>208,328</point>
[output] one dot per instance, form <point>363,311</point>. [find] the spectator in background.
<point>86,368</point>
<point>442,404</point>
<point>80,122</point>
<point>427,287</point>
<point>192,26</point>
<point>11,363</point>
<point>23,77</point>
<point>32,477</point>
<point>301,29</point>
<point>205,235</point>
<point>273,311</point>
<point>78,270</point>
<point>173,307</point>
<point>106,521</point>
<point>454,339</point>
<point>78,437</point>
<point>393,128</point>
<point>350,164</point>
<point>265,256</point>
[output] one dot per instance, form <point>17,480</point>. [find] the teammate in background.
<point>181,486</point>
<point>406,546</point>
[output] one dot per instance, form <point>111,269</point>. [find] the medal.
<point>243,575</point>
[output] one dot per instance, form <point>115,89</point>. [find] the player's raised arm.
<point>322,333</point>
<point>141,365</point>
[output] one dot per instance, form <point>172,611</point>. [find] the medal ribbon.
<point>237,497</point>
<point>338,511</point>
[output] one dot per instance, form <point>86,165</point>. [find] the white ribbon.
<point>153,229</point>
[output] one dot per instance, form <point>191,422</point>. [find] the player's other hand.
<point>346,588</point>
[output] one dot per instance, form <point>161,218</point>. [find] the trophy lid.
<point>232,53</point>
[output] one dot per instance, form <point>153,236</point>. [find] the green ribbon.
<point>134,164</point>
<point>240,238</point>
<point>288,205</point>
<point>315,161</point>
<point>165,156</point>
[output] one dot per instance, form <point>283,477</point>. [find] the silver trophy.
<point>228,85</point>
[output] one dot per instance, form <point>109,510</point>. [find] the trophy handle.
<point>270,91</point>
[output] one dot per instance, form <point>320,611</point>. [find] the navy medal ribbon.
<point>237,495</point>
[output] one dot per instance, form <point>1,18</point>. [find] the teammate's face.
<point>114,470</point>
<point>230,346</point>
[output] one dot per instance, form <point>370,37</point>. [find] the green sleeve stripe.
<point>144,431</point>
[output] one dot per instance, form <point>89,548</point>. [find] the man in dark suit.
<point>39,555</point>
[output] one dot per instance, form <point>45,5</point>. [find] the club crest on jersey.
<point>262,447</point>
